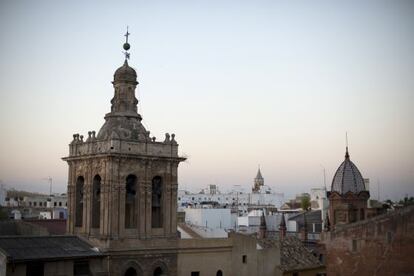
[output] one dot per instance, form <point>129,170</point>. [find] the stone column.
<point>174,189</point>
<point>142,183</point>
<point>86,200</point>
<point>114,196</point>
<point>148,200</point>
<point>88,197</point>
<point>104,206</point>
<point>166,208</point>
<point>121,214</point>
<point>71,195</point>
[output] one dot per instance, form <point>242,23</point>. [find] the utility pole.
<point>50,184</point>
<point>378,186</point>
<point>324,176</point>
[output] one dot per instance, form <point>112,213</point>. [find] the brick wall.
<point>383,245</point>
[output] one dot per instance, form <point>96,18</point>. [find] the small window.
<point>219,273</point>
<point>60,203</point>
<point>158,272</point>
<point>81,268</point>
<point>389,237</point>
<point>131,272</point>
<point>362,214</point>
<point>379,229</point>
<point>244,259</point>
<point>35,269</point>
<point>354,245</point>
<point>295,274</point>
<point>195,273</point>
<point>35,203</point>
<point>321,258</point>
<point>55,204</point>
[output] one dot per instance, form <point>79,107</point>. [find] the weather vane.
<point>126,45</point>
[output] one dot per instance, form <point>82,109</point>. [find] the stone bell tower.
<point>258,182</point>
<point>122,184</point>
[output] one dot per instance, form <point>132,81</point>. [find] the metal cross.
<point>126,35</point>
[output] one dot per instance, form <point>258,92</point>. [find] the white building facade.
<point>261,195</point>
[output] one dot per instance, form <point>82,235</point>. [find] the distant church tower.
<point>348,196</point>
<point>122,186</point>
<point>258,182</point>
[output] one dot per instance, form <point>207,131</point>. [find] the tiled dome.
<point>347,178</point>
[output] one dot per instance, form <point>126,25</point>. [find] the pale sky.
<point>240,83</point>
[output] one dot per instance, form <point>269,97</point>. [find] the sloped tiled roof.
<point>24,248</point>
<point>268,242</point>
<point>295,256</point>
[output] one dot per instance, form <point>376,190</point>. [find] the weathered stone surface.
<point>118,168</point>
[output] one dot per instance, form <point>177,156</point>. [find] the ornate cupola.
<point>348,196</point>
<point>123,121</point>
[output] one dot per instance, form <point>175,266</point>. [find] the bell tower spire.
<point>346,143</point>
<point>258,181</point>
<point>126,46</point>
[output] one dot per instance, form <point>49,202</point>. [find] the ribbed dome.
<point>347,178</point>
<point>125,74</point>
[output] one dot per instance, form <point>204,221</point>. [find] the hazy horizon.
<point>275,83</point>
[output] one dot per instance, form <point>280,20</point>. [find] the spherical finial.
<point>126,45</point>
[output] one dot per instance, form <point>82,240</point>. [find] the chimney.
<point>305,228</point>
<point>327,223</point>
<point>262,228</point>
<point>282,227</point>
